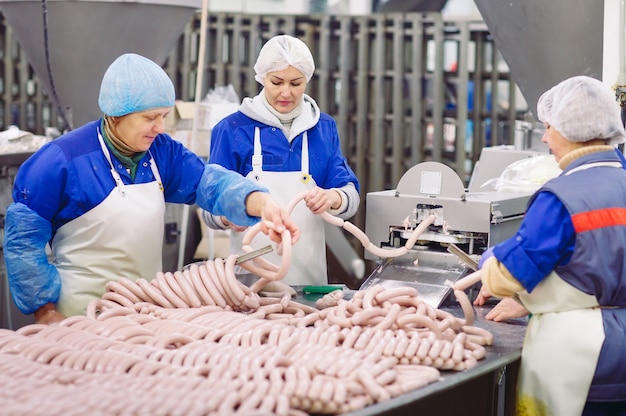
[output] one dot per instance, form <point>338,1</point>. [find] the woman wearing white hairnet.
<point>97,195</point>
<point>567,262</point>
<point>281,139</point>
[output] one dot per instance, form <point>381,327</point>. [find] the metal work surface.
<point>429,275</point>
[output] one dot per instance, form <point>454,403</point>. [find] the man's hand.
<point>319,200</point>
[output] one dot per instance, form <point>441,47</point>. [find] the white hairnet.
<point>280,52</point>
<point>133,83</point>
<point>582,108</point>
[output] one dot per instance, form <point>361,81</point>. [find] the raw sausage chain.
<point>199,342</point>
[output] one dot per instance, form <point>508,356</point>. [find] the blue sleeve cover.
<point>33,281</point>
<point>224,192</point>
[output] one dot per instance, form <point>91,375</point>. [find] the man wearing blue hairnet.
<point>97,196</point>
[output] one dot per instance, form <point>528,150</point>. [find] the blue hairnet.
<point>33,281</point>
<point>280,52</point>
<point>582,108</point>
<point>224,192</point>
<point>133,83</point>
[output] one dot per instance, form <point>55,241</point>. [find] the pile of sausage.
<point>198,342</point>
<point>285,358</point>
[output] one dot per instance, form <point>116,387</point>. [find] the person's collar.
<point>130,161</point>
<point>582,151</point>
<point>117,143</point>
<point>256,110</point>
<point>285,118</point>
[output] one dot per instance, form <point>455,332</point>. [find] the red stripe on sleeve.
<point>591,220</point>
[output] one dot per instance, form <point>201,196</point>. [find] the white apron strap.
<point>118,179</point>
<point>304,168</point>
<point>594,165</point>
<point>155,171</point>
<point>257,157</point>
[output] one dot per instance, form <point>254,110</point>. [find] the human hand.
<point>319,200</point>
<point>280,220</point>
<point>485,256</point>
<point>507,308</point>
<point>483,296</point>
<point>235,227</point>
<point>48,315</point>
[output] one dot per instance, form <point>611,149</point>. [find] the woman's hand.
<point>260,204</point>
<point>48,315</point>
<point>483,296</point>
<point>507,308</point>
<point>234,227</point>
<point>319,200</point>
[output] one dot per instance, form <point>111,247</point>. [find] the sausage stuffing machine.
<point>471,219</point>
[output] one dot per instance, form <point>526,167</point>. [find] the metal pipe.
<point>621,78</point>
<point>182,244</point>
<point>620,85</point>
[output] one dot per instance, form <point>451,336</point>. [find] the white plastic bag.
<point>525,175</point>
<point>220,102</point>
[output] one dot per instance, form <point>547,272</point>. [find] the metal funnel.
<point>84,37</point>
<point>544,42</point>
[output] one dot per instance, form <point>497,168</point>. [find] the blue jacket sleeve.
<point>33,281</point>
<point>227,148</point>
<point>224,192</point>
<point>179,184</point>
<point>544,240</point>
<point>337,172</point>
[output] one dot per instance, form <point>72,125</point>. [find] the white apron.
<point>122,236</point>
<point>554,349</point>
<point>561,349</point>
<point>308,261</point>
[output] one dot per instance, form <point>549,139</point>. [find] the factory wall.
<point>404,88</point>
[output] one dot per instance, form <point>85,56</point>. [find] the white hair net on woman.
<point>133,83</point>
<point>582,108</point>
<point>280,52</point>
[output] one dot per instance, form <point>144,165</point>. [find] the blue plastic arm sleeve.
<point>33,281</point>
<point>224,192</point>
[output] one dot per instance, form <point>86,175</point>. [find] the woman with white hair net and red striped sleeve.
<point>282,140</point>
<point>567,262</point>
<point>97,196</point>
